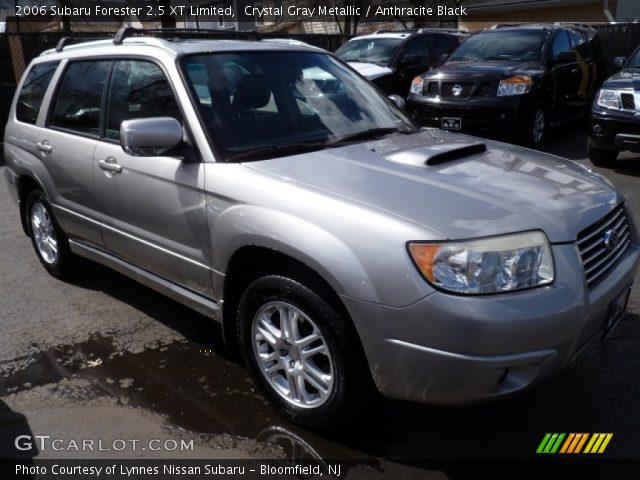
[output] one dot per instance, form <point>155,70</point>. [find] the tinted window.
<point>77,105</point>
<point>560,43</point>
<point>418,46</point>
<point>138,89</point>
<point>499,45</point>
<point>578,43</point>
<point>33,90</point>
<point>370,50</point>
<point>443,45</point>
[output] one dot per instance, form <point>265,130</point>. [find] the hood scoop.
<point>436,154</point>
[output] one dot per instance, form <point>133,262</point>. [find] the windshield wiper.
<point>370,133</point>
<point>277,150</point>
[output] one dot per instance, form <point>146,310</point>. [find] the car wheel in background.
<point>536,128</point>
<point>303,353</point>
<point>49,241</point>
<point>599,156</point>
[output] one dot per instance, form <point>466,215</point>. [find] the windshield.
<point>497,45</point>
<point>369,50</point>
<point>264,104</point>
<point>634,61</point>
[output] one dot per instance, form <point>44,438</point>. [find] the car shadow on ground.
<point>212,393</point>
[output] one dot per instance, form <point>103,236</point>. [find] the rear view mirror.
<point>565,57</point>
<point>397,100</point>
<point>619,62</point>
<point>145,137</point>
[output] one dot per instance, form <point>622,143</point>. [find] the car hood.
<point>470,70</point>
<point>501,190</point>
<point>370,70</point>
<point>624,79</point>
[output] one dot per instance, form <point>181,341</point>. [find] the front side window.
<point>77,104</point>
<point>419,47</point>
<point>370,50</point>
<point>33,90</point>
<point>561,44</point>
<point>261,104</point>
<point>138,89</point>
<point>496,45</point>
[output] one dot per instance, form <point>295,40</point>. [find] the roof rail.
<point>404,30</point>
<point>65,41</point>
<point>127,32</point>
<point>440,29</point>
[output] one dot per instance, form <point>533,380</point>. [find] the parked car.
<point>614,123</point>
<point>340,246</point>
<point>512,81</point>
<point>391,59</point>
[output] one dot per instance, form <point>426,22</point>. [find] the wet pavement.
<point>100,341</point>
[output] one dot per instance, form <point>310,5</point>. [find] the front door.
<point>152,207</point>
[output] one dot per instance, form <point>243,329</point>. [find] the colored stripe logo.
<point>574,443</point>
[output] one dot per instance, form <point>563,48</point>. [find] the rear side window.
<point>139,89</point>
<point>77,104</point>
<point>33,90</point>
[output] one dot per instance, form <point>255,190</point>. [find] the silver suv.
<point>342,248</point>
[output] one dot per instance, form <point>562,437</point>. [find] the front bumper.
<point>619,130</point>
<point>504,116</point>
<point>452,349</point>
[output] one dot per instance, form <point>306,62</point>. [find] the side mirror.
<point>619,62</point>
<point>397,100</point>
<point>410,59</point>
<point>148,137</point>
<point>565,57</point>
<point>443,58</point>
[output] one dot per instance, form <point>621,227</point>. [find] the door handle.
<point>44,146</point>
<point>110,165</point>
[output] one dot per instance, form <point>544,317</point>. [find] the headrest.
<point>252,92</point>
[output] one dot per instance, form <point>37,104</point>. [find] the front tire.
<point>49,241</point>
<point>599,156</point>
<point>536,129</point>
<point>303,353</point>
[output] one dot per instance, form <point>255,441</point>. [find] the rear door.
<point>153,210</point>
<point>67,143</point>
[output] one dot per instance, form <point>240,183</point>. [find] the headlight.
<point>417,85</point>
<point>487,265</point>
<point>514,86</point>
<point>609,99</point>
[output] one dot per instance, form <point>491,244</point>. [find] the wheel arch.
<point>25,185</point>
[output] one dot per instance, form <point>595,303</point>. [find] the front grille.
<point>597,257</point>
<point>484,90</point>
<point>432,89</point>
<point>627,101</point>
<point>464,89</point>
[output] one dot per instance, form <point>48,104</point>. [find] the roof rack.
<point>127,32</point>
<point>66,41</point>
<point>404,30</point>
<point>439,29</point>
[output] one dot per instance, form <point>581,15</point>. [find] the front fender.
<point>331,258</point>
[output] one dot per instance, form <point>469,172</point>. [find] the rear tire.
<point>322,390</point>
<point>49,241</point>
<point>599,156</point>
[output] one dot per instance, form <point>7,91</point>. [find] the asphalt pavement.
<point>100,356</point>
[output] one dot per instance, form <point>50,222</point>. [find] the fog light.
<point>597,128</point>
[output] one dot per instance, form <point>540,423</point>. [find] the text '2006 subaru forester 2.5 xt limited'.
<point>341,247</point>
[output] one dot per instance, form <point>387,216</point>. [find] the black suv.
<point>614,123</point>
<point>512,81</point>
<point>391,59</point>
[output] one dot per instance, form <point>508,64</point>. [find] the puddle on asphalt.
<point>194,388</point>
